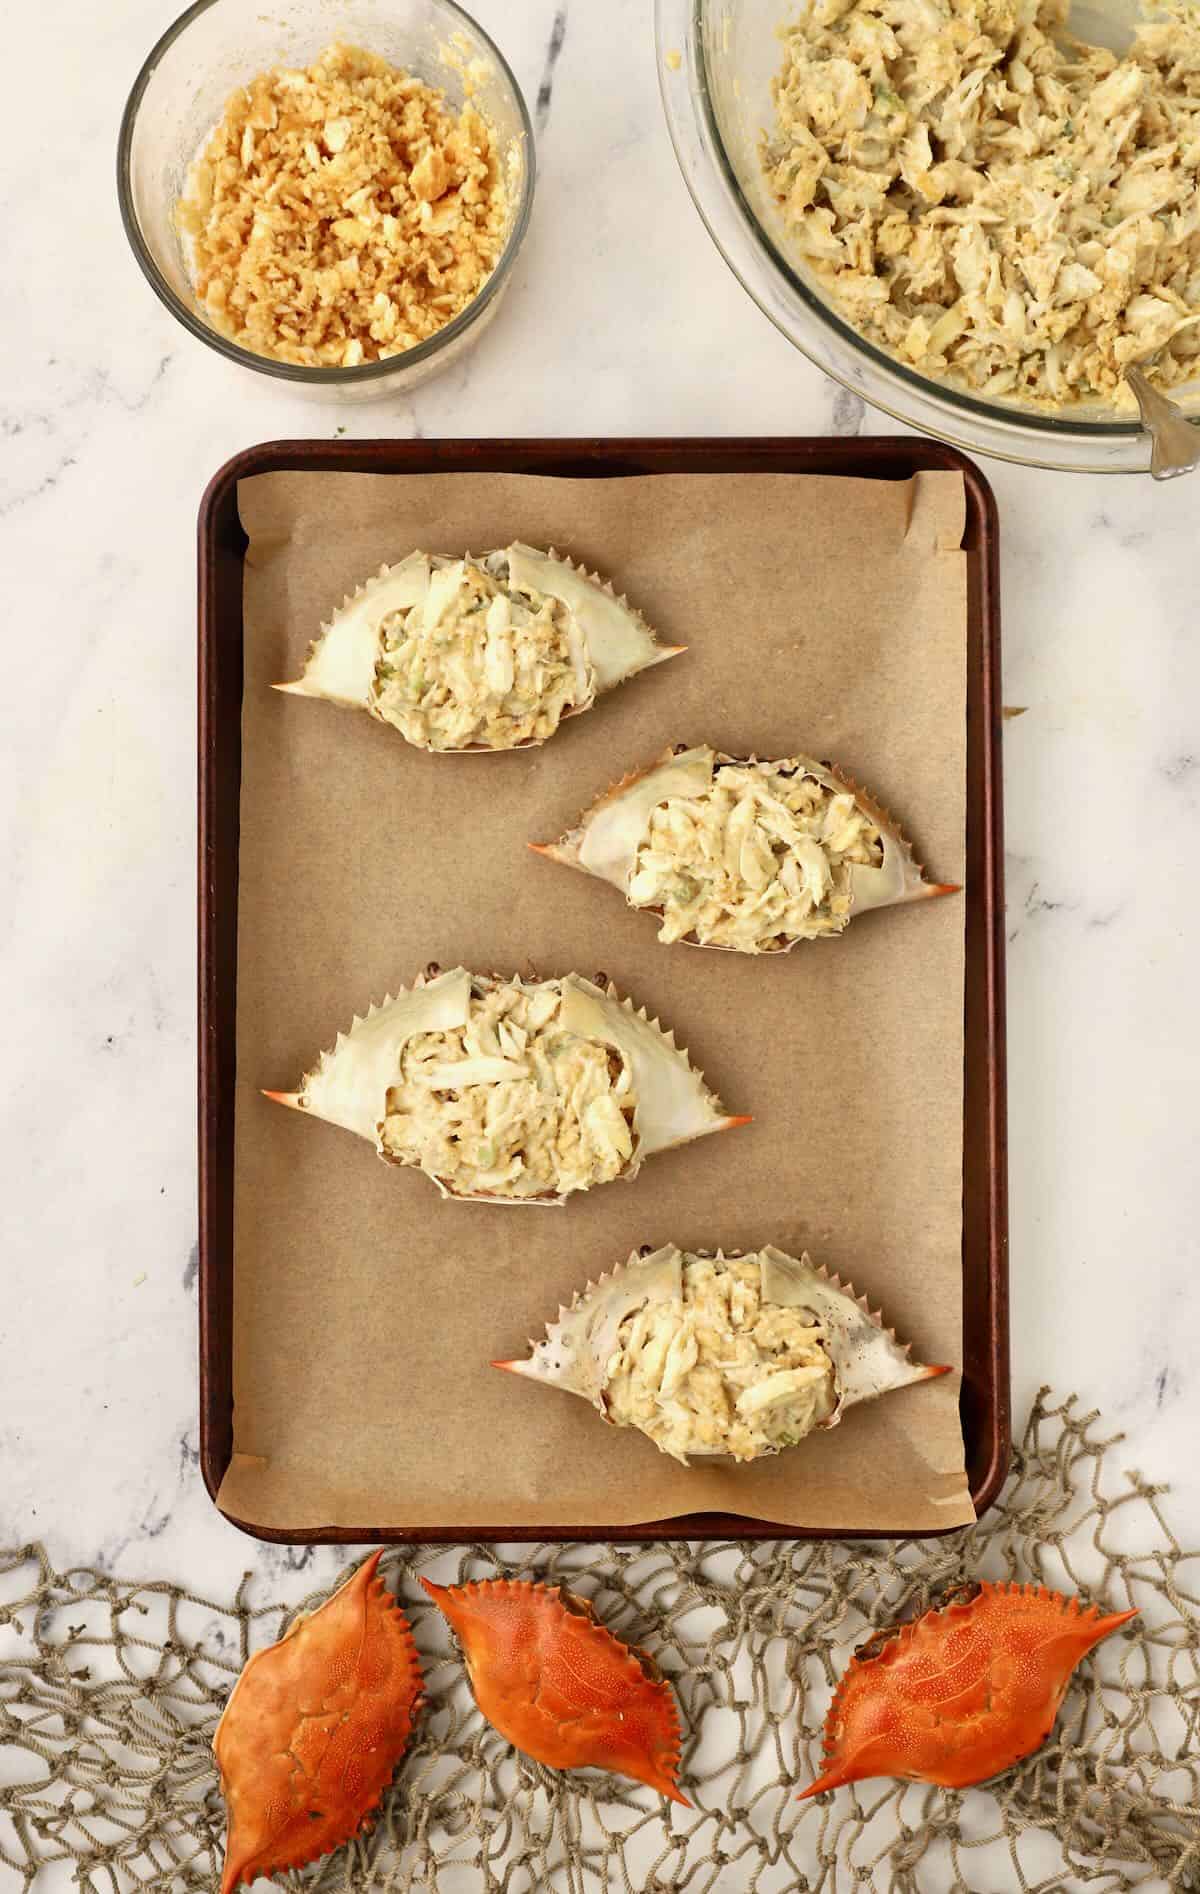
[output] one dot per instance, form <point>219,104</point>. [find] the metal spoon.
<point>1175,443</point>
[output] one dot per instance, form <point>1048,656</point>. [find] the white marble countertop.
<point>113,420</point>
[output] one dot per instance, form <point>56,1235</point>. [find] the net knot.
<point>116,1777</point>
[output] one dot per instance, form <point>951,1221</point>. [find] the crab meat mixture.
<point>994,201</point>
<point>721,1372</point>
<point>762,858</point>
<point>479,665</point>
<point>510,1104</point>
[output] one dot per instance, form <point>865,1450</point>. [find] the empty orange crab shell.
<point>559,1686</point>
<point>314,1729</point>
<point>963,1692</point>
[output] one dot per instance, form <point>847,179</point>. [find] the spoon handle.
<point>1175,443</point>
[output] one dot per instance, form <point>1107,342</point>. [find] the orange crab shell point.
<point>963,1692</point>
<point>314,1729</point>
<point>559,1686</point>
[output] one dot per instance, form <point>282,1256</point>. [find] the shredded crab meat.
<point>510,1105</point>
<point>761,858</point>
<point>720,1372</point>
<point>479,664</point>
<point>993,201</point>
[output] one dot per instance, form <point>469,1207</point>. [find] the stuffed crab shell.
<point>746,855</point>
<point>709,1354</point>
<point>511,1091</point>
<point>478,654</point>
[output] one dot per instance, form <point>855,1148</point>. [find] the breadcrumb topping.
<point>343,213</point>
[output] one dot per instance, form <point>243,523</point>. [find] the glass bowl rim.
<point>298,371</point>
<point>1025,432</point>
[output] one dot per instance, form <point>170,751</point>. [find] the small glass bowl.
<point>716,61</point>
<point>218,45</point>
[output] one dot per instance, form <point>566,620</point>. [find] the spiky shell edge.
<point>533,1591</point>
<point>365,1577</point>
<point>602,844</point>
<point>575,1350</point>
<point>674,1105</point>
<point>342,660</point>
<point>886,1645</point>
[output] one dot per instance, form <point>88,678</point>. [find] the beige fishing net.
<point>110,1690</point>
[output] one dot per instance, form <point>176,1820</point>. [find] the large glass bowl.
<point>716,61</point>
<point>218,45</point>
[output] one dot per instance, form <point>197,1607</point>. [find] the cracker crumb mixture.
<point>992,200</point>
<point>343,213</point>
<point>477,663</point>
<point>721,1371</point>
<point>763,857</point>
<point>510,1104</point>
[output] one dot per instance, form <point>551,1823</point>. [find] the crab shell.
<point>614,638</point>
<point>606,840</point>
<point>867,1359</point>
<point>349,1086</point>
<point>312,1733</point>
<point>963,1692</point>
<point>559,1686</point>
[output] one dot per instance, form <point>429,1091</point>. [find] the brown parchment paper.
<point>821,615</point>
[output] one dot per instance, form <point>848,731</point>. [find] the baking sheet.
<point>821,614</point>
